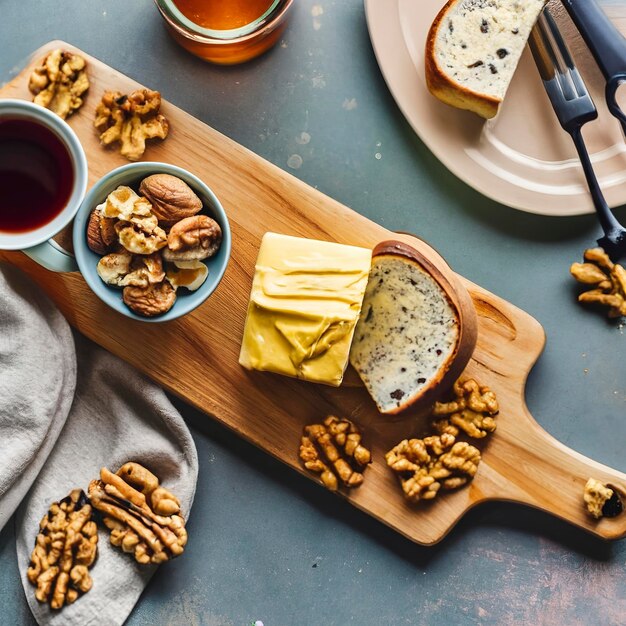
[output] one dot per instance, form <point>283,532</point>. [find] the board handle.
<point>549,476</point>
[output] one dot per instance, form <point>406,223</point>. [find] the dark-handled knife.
<point>607,45</point>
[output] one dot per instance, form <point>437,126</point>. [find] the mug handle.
<point>50,255</point>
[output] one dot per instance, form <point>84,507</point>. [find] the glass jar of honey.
<point>225,31</point>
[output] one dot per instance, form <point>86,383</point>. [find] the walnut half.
<point>141,235</point>
<point>121,269</point>
<point>193,239</point>
<point>424,466</point>
<point>113,268</point>
<point>130,120</point>
<point>60,82</point>
<point>334,450</point>
<point>143,517</point>
<point>606,279</point>
<point>65,549</point>
<point>472,411</point>
<point>601,500</point>
<point>151,300</point>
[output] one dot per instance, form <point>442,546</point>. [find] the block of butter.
<point>305,302</point>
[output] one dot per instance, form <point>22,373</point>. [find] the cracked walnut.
<point>601,500</point>
<point>65,549</point>
<point>427,465</point>
<point>472,410</point>
<point>130,120</point>
<point>143,517</point>
<point>59,82</point>
<point>193,239</point>
<point>334,450</point>
<point>606,279</point>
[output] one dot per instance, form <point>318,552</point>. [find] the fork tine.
<point>541,53</point>
<point>548,20</point>
<point>579,83</point>
<point>564,85</point>
<point>555,47</point>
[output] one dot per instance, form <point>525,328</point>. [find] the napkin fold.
<point>86,409</point>
<point>37,382</point>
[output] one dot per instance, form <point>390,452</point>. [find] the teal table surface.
<point>267,544</point>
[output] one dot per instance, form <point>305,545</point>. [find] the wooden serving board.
<point>195,357</point>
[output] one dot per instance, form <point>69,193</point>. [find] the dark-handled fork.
<point>574,108</point>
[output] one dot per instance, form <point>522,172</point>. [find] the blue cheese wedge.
<point>305,302</point>
<point>473,49</point>
<point>408,335</point>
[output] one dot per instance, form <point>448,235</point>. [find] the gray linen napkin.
<point>37,381</point>
<point>116,415</point>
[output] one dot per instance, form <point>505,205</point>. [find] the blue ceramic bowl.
<point>131,175</point>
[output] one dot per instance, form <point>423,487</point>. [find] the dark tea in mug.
<point>36,175</point>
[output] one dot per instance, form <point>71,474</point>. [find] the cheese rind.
<point>305,301</point>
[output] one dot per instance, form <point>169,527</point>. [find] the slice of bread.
<point>415,334</point>
<point>473,48</point>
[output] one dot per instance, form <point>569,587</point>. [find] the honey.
<point>225,31</point>
<point>221,14</point>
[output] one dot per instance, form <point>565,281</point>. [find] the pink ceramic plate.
<point>522,158</point>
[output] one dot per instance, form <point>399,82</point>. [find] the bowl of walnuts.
<point>152,241</point>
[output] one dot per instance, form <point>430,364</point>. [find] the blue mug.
<point>32,242</point>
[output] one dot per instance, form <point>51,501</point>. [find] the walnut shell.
<point>95,239</point>
<point>107,230</point>
<point>171,197</point>
<point>150,301</point>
